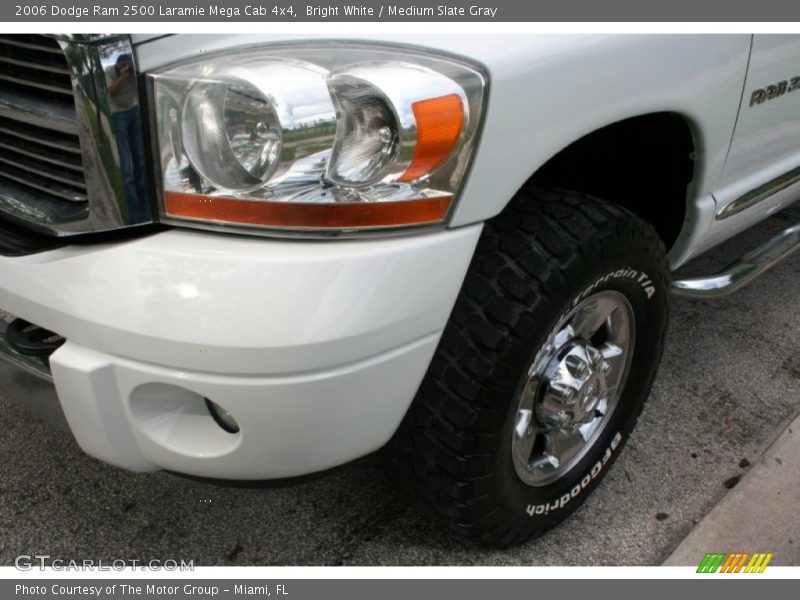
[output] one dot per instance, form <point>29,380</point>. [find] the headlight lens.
<point>315,138</point>
<point>368,137</point>
<point>231,134</point>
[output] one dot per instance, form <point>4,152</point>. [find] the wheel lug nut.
<point>559,418</point>
<point>545,459</point>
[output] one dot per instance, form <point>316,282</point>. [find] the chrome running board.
<point>751,265</point>
<point>34,365</point>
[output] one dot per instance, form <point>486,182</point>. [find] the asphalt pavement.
<point>759,515</point>
<point>729,385</point>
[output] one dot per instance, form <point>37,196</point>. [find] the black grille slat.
<point>49,187</point>
<point>35,65</point>
<point>33,81</point>
<point>65,160</point>
<point>40,152</point>
<point>45,138</point>
<point>40,43</point>
<point>25,64</point>
<point>42,170</point>
<point>21,202</point>
<point>39,114</point>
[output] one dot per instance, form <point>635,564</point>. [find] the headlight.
<point>333,137</point>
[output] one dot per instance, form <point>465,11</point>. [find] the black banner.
<point>404,11</point>
<point>347,589</point>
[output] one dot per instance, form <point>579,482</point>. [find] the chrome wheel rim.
<point>572,387</point>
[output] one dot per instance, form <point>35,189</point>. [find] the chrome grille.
<point>40,153</point>
<point>41,159</point>
<point>34,65</point>
<point>60,151</point>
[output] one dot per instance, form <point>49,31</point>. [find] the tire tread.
<point>527,257</point>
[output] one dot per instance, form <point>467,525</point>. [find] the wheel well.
<point>644,164</point>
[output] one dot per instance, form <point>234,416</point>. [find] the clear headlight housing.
<point>315,138</point>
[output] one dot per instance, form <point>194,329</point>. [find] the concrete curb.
<point>760,514</point>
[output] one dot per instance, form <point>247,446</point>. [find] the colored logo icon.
<point>737,562</point>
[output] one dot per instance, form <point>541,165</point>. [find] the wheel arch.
<point>645,163</point>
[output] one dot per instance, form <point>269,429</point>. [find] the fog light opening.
<point>222,417</point>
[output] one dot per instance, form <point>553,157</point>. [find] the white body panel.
<point>143,417</point>
<point>767,133</point>
<point>317,348</point>
<point>547,91</point>
<point>240,305</point>
<point>766,142</point>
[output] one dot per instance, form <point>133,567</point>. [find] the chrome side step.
<point>751,265</point>
<point>34,365</point>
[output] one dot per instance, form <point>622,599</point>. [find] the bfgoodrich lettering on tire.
<point>541,372</point>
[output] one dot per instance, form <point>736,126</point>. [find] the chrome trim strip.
<point>86,38</point>
<point>89,57</point>
<point>30,364</point>
<point>759,194</point>
<point>749,267</point>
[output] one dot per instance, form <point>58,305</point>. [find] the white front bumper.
<point>315,348</point>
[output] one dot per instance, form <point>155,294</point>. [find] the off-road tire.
<point>532,263</point>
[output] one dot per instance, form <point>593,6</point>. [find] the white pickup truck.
<point>254,257</point>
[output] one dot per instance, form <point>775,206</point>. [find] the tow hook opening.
<point>182,422</point>
<point>32,340</point>
<point>222,417</point>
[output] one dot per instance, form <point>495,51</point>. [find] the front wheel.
<point>542,370</point>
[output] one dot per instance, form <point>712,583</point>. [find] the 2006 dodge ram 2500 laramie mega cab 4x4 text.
<point>255,257</point>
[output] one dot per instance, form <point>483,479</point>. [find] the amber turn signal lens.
<point>317,215</point>
<point>439,124</point>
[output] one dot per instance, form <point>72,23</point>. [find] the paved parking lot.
<point>729,384</point>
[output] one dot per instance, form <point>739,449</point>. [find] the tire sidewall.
<point>643,284</point>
